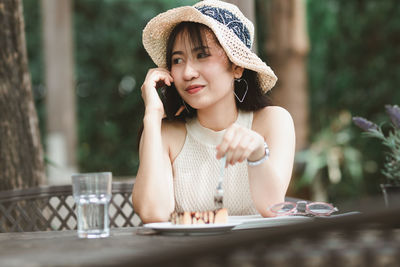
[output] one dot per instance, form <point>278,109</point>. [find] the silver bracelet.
<point>264,158</point>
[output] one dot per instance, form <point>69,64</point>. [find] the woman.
<point>214,98</point>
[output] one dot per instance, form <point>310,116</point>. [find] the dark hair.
<point>255,98</point>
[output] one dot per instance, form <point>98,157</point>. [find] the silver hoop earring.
<point>184,104</point>
<point>238,84</point>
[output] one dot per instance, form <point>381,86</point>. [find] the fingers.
<point>235,148</point>
<point>242,150</point>
<point>223,147</point>
<point>157,77</point>
<point>238,144</point>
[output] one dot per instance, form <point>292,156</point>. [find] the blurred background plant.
<point>390,139</point>
<point>353,68</point>
<point>332,167</point>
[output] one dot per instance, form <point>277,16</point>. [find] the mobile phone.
<point>170,99</point>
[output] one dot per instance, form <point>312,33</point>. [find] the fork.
<point>219,192</point>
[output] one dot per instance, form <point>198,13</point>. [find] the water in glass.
<point>93,220</point>
<point>92,194</point>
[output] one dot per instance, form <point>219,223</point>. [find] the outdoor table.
<point>357,240</point>
<point>125,246</point>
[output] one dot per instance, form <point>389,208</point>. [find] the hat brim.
<point>157,31</point>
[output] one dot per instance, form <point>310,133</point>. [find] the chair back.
<point>50,208</point>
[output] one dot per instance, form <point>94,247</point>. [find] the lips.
<point>192,89</point>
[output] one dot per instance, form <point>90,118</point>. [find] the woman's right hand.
<point>155,79</point>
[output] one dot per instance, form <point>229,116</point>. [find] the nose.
<point>190,72</point>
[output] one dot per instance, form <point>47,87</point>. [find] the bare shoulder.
<point>173,129</point>
<point>272,118</point>
<point>173,126</point>
<point>174,134</point>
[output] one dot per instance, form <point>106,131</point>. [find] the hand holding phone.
<point>155,79</point>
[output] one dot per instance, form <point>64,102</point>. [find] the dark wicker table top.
<point>125,246</point>
<point>366,239</point>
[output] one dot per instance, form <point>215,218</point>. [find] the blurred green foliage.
<point>353,67</point>
<point>111,64</point>
<point>33,37</point>
<point>354,61</point>
<point>353,70</point>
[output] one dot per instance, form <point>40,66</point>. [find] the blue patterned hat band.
<point>233,30</point>
<point>228,19</point>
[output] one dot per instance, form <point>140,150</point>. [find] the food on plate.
<point>200,217</point>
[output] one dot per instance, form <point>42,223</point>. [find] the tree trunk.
<point>21,155</point>
<point>287,47</point>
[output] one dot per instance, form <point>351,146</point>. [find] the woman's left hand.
<point>240,143</point>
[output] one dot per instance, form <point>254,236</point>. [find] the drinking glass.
<point>92,195</point>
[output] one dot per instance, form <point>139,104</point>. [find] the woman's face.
<point>203,76</point>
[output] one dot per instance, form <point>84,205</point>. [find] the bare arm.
<point>152,195</point>
<point>269,180</point>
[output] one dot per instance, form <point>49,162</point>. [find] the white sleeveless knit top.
<point>196,172</point>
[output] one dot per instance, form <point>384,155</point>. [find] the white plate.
<point>168,228</point>
<point>257,221</point>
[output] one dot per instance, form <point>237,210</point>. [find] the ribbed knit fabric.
<point>196,172</point>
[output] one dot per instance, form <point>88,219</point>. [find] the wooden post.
<point>287,47</point>
<point>21,154</point>
<point>60,84</point>
<point>248,9</point>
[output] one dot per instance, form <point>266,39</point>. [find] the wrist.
<point>261,159</point>
<point>152,119</point>
<point>153,114</point>
<point>257,154</point>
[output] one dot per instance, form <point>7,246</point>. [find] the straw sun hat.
<point>233,30</point>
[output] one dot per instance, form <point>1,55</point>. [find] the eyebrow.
<point>202,48</point>
<point>177,53</point>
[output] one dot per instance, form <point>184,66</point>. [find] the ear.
<point>237,71</point>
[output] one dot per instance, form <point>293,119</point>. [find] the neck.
<point>219,116</point>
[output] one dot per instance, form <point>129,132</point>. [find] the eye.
<point>176,60</point>
<point>202,55</point>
